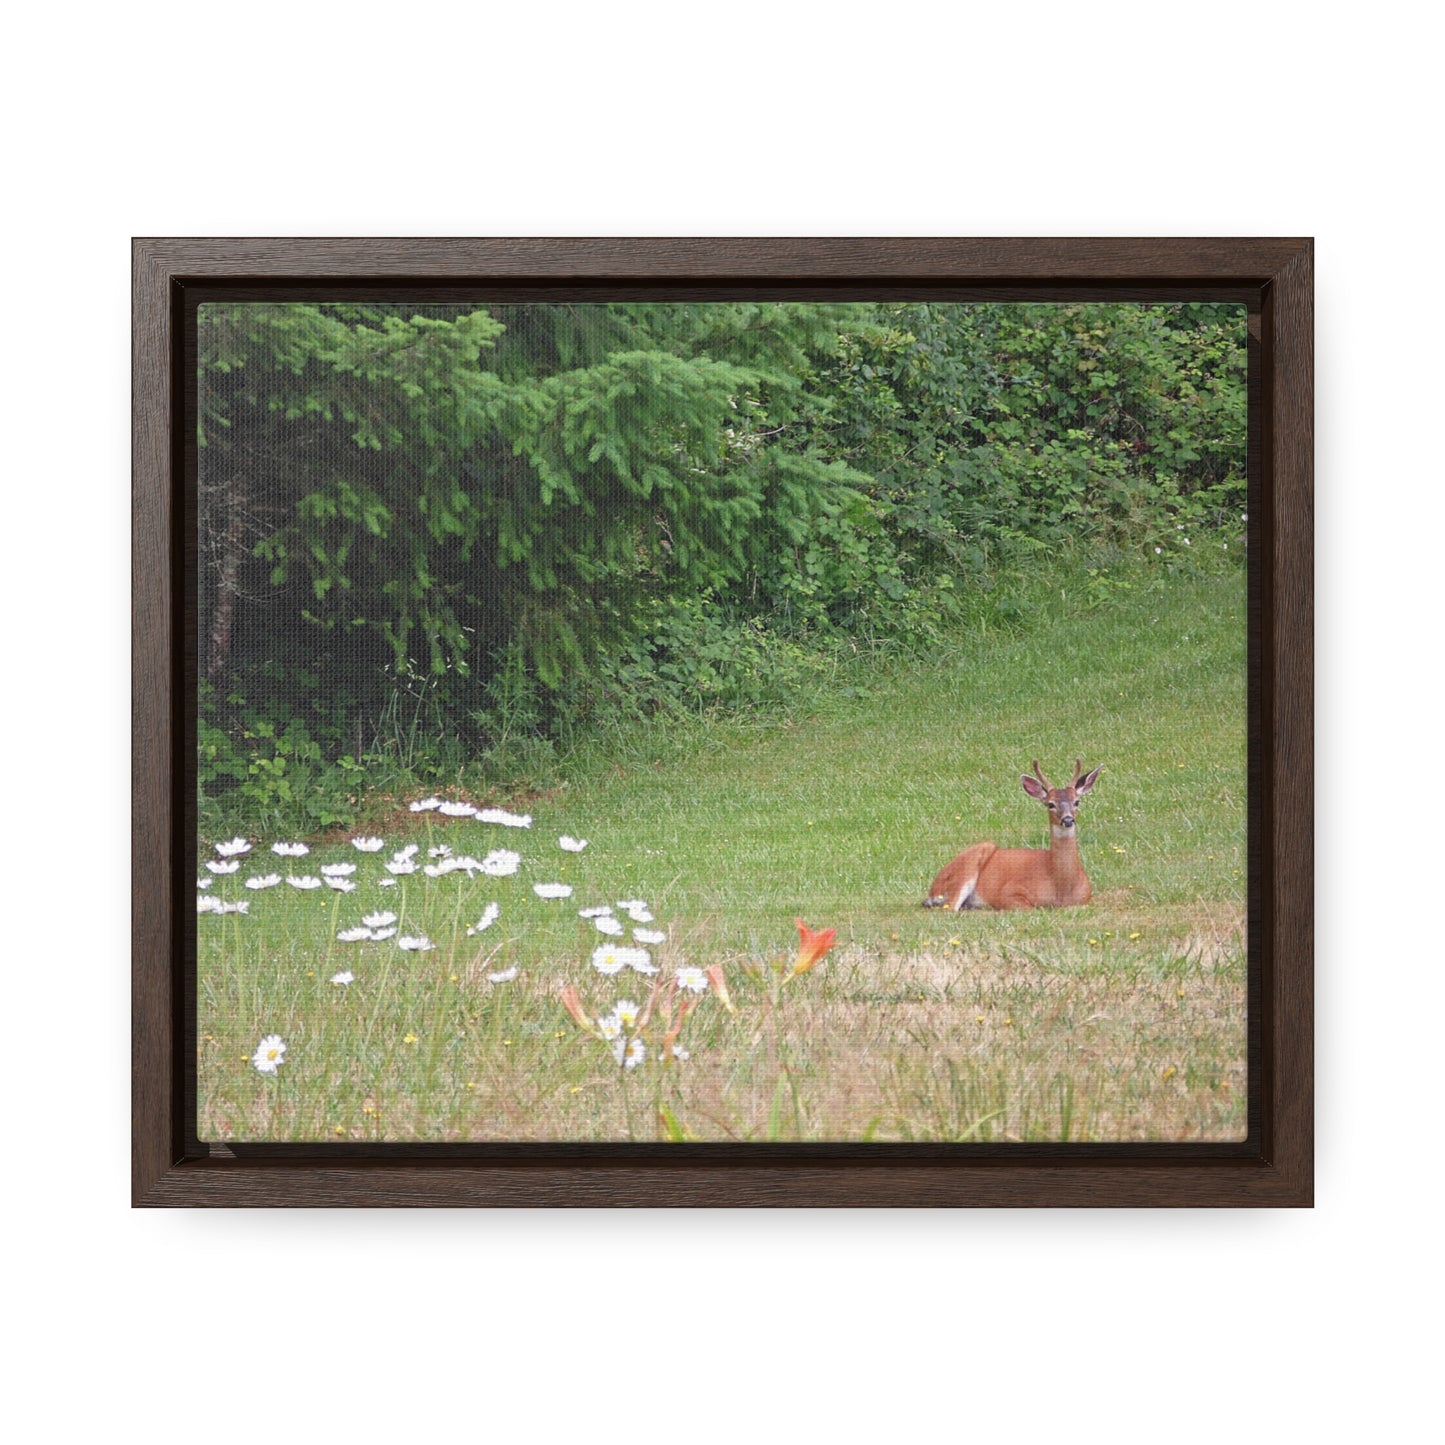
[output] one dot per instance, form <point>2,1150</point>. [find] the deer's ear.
<point>1088,781</point>
<point>1034,788</point>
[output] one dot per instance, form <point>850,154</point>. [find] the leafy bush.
<point>268,766</point>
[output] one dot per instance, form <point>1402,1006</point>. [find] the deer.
<point>987,876</point>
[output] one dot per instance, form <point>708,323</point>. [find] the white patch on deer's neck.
<point>1062,833</point>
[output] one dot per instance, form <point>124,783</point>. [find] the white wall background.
<point>784,119</point>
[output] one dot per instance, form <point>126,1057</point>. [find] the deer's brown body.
<point>987,876</point>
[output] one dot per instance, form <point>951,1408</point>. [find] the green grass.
<point>1120,1021</point>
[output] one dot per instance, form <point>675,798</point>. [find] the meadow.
<point>442,996</point>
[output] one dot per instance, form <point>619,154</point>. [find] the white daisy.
<point>457,810</point>
<point>680,1054</point>
<point>506,819</point>
<point>265,880</point>
<point>552,890</point>
<point>386,882</point>
<point>490,914</point>
<point>571,845</point>
<point>419,944</point>
<point>270,1054</point>
<point>614,957</point>
<point>290,850</point>
<point>380,935</point>
<point>425,805</point>
<point>466,864</point>
<point>401,869</point>
<point>649,935</point>
<point>599,912</point>
<point>206,903</point>
<point>610,1026</point>
<point>501,863</point>
<point>505,976</point>
<point>402,854</point>
<point>626,1012</point>
<point>353,935</point>
<point>368,845</point>
<point>341,885</point>
<point>229,866</point>
<point>204,882</point>
<point>629,1053</point>
<point>605,958</point>
<point>338,870</point>
<point>235,847</point>
<point>379,920</point>
<point>692,979</point>
<point>440,870</point>
<point>345,976</point>
<point>609,925</point>
<point>639,913</point>
<point>305,881</point>
<point>440,851</point>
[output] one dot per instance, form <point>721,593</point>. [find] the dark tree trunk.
<point>223,619</point>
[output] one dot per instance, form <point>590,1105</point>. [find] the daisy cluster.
<point>628,928</point>
<point>637,1033</point>
<point>341,876</point>
<point>619,1027</point>
<point>624,1027</point>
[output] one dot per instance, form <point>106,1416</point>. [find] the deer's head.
<point>1062,803</point>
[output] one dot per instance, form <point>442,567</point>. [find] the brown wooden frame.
<point>1273,1168</point>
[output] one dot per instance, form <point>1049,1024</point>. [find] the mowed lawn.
<point>1123,1020</point>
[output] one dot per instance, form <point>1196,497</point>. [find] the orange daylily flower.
<point>811,946</point>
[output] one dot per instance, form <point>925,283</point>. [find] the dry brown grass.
<point>970,1043</point>
<point>1011,1028</point>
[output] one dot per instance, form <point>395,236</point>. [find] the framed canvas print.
<point>722,722</point>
